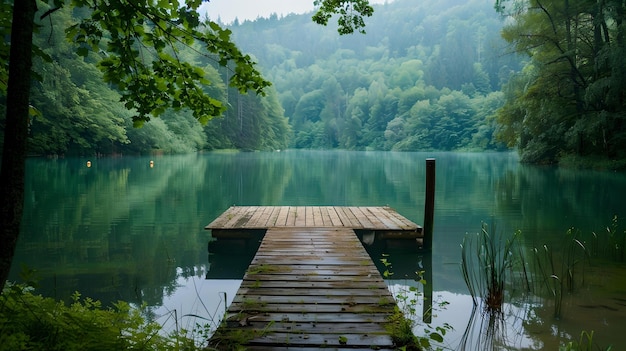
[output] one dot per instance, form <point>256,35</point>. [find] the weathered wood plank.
<point>291,217</point>
<point>272,216</point>
<point>362,218</point>
<point>298,285</point>
<point>318,221</point>
<point>376,223</point>
<point>325,217</point>
<point>281,220</point>
<point>322,317</point>
<point>309,219</point>
<point>239,217</point>
<point>314,300</point>
<point>326,269</point>
<point>300,216</point>
<point>221,219</point>
<point>312,348</point>
<point>403,221</point>
<point>309,261</point>
<point>285,247</point>
<point>265,216</point>
<point>383,218</point>
<point>322,340</point>
<point>256,215</point>
<point>288,278</point>
<point>310,308</point>
<point>347,222</point>
<point>334,217</point>
<point>313,292</point>
<point>302,277</point>
<point>317,327</point>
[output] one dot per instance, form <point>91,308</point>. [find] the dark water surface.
<point>122,229</point>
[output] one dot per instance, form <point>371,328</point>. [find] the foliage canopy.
<point>569,99</point>
<point>140,42</point>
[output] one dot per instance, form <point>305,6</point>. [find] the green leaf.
<point>436,336</point>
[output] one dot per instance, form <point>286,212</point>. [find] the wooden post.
<point>429,204</point>
<point>427,309</point>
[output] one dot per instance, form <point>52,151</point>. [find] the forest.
<point>426,76</point>
<point>544,77</point>
<point>361,91</point>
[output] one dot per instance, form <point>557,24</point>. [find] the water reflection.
<point>121,229</point>
<point>196,301</point>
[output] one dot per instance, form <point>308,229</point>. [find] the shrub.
<point>32,322</point>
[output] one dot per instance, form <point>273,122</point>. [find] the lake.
<point>131,229</point>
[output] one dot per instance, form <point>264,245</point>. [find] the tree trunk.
<point>15,132</point>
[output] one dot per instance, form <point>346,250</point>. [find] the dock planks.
<point>308,288</point>
<point>263,217</point>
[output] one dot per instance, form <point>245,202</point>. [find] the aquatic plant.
<point>483,330</point>
<point>616,241</point>
<point>487,261</point>
<point>609,244</point>
<point>402,323</point>
<point>584,343</point>
<point>561,273</point>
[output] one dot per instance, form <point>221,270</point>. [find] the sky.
<point>228,10</point>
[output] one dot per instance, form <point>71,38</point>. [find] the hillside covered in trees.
<point>77,113</point>
<point>545,77</point>
<point>427,75</point>
<point>569,101</point>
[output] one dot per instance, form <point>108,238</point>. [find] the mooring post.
<point>429,204</point>
<point>427,306</point>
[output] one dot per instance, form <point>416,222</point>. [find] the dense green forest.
<point>545,77</point>
<point>427,75</point>
<point>78,113</point>
<point>569,101</point>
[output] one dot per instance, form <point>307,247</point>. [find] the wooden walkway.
<point>307,288</point>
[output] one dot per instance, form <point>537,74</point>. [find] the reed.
<point>609,244</point>
<point>487,262</point>
<point>561,272</point>
<point>616,241</point>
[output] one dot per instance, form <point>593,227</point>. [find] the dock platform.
<point>309,288</point>
<point>311,283</point>
<point>385,221</point>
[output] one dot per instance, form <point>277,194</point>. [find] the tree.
<point>569,100</point>
<point>142,40</point>
<point>15,132</point>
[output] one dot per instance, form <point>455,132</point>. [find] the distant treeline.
<point>545,77</point>
<point>76,112</point>
<point>427,75</point>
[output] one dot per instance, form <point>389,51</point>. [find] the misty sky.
<point>227,10</point>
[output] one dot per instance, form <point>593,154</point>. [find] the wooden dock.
<point>311,283</point>
<point>383,220</point>
<point>309,288</point>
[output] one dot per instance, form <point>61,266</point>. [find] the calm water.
<point>121,229</point>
